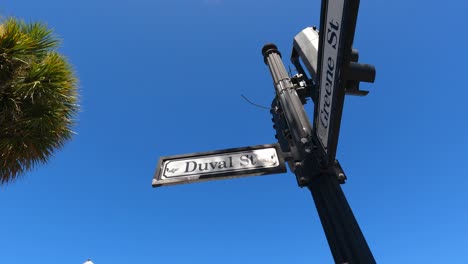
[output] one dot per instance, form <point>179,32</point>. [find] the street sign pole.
<point>345,238</point>
<point>346,241</point>
<point>309,150</point>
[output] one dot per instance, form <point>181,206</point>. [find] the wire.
<point>257,105</point>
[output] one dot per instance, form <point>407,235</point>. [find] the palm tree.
<point>38,97</point>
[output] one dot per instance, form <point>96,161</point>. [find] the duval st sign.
<point>220,164</point>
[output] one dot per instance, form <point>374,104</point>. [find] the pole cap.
<point>268,49</point>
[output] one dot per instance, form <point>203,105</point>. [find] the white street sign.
<point>230,163</point>
<point>330,70</point>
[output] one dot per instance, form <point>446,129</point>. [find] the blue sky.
<point>161,78</point>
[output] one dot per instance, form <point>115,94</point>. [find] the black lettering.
<point>244,160</point>
<point>331,64</point>
<point>327,90</point>
<point>200,167</point>
<point>187,165</point>
<point>253,159</point>
<point>213,164</point>
<point>332,37</point>
<point>324,118</point>
<point>327,100</point>
<point>335,26</point>
<point>222,165</point>
<point>329,81</point>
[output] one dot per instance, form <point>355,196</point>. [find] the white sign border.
<point>160,181</point>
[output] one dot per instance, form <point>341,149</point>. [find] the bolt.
<point>341,177</point>
<point>303,181</point>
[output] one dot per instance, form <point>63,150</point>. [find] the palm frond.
<point>38,97</point>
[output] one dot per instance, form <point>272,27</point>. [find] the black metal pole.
<point>345,238</point>
<point>346,241</point>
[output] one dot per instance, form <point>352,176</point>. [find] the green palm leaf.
<point>38,97</point>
